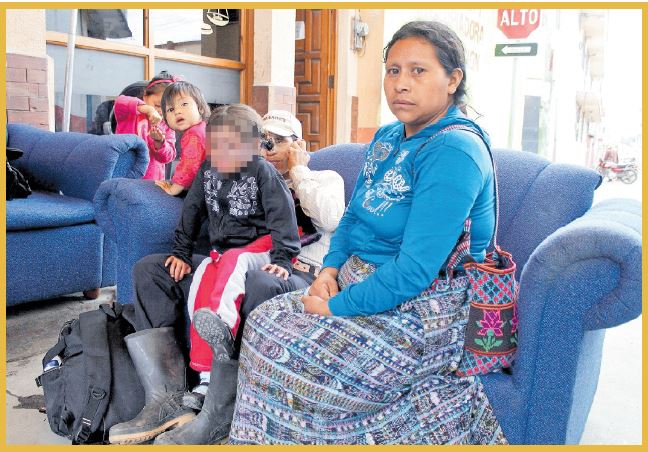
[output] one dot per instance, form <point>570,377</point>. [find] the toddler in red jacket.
<point>185,109</point>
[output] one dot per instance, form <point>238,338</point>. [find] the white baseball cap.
<point>282,123</point>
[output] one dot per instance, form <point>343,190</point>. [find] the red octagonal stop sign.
<point>518,23</point>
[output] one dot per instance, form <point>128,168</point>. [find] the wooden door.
<point>315,59</point>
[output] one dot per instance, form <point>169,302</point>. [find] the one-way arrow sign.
<point>517,49</point>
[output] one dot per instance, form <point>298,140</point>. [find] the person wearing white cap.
<point>319,199</point>
<point>281,124</point>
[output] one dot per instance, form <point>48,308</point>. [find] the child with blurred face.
<point>251,220</point>
<point>233,146</point>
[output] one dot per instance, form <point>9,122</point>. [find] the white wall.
<point>346,76</point>
<point>274,47</point>
<point>25,32</point>
<point>568,78</point>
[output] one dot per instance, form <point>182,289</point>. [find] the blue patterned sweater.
<point>408,209</point>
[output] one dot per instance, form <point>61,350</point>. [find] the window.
<point>119,25</point>
<point>117,47</point>
<point>218,85</point>
<point>93,83</point>
<point>207,32</point>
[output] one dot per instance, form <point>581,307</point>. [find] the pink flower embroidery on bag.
<point>491,322</point>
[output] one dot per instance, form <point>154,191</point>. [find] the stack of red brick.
<point>27,93</point>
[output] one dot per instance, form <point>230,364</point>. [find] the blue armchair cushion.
<point>47,210</point>
<point>47,263</point>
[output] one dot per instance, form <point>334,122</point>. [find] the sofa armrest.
<point>585,276</point>
<point>140,218</point>
<point>607,241</point>
<point>76,163</point>
<point>621,217</point>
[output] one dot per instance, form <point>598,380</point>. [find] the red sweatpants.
<point>219,284</point>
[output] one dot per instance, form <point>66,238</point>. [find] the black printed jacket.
<point>239,209</point>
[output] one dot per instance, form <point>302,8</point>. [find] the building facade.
<point>324,65</point>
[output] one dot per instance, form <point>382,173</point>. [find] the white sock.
<point>201,388</point>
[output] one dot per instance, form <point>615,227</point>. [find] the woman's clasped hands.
<point>323,288</point>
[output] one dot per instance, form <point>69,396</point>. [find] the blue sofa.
<point>579,270</point>
<point>54,246</point>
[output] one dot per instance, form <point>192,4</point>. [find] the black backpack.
<point>96,385</point>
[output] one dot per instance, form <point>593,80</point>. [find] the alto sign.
<point>518,23</point>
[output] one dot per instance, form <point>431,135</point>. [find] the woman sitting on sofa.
<point>367,355</point>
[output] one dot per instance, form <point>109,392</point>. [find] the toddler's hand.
<point>169,187</point>
<point>153,116</point>
<point>157,135</point>
<point>151,113</point>
<point>277,270</point>
<point>163,184</point>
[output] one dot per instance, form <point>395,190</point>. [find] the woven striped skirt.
<point>381,379</point>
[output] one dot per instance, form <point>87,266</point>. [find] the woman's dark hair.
<point>449,49</point>
<point>186,88</point>
<point>241,112</point>
<point>154,88</point>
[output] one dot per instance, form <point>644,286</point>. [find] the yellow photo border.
<point>316,5</point>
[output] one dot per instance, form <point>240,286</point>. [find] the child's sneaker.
<point>196,397</point>
<point>215,332</point>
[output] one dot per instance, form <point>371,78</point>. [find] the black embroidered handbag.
<point>491,333</point>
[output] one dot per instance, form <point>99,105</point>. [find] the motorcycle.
<point>626,172</point>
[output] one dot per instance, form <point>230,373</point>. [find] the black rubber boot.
<point>212,425</point>
<point>160,366</point>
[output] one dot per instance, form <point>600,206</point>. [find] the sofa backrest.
<point>345,159</point>
<point>536,196</point>
<point>75,163</point>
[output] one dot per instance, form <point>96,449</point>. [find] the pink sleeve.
<point>167,152</point>
<point>126,108</point>
<point>193,154</point>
